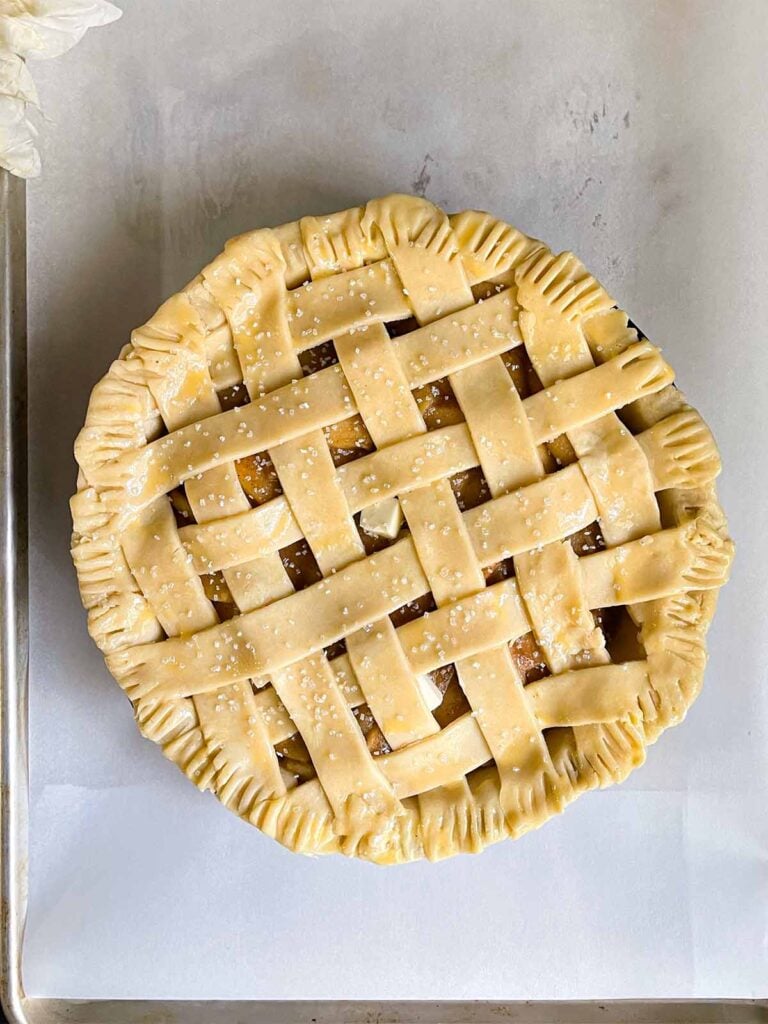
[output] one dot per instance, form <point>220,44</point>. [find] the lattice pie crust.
<point>396,534</point>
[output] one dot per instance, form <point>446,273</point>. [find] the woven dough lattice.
<point>396,533</point>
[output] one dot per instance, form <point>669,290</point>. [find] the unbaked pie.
<point>396,533</point>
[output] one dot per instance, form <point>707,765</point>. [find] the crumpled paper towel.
<point>35,29</point>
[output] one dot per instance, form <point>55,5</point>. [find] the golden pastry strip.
<point>299,408</point>
<point>438,760</point>
<point>601,693</point>
<point>500,429</point>
<point>559,296</point>
<point>407,465</point>
<point>381,391</point>
<point>396,414</point>
<point>314,492</point>
<point>166,361</point>
<point>248,284</point>
<point>386,683</point>
<point>550,582</point>
<point>433,278</point>
<point>162,569</point>
<point>247,767</point>
<point>510,458</point>
<point>238,742</point>
<point>400,468</point>
<point>321,310</point>
<point>256,533</point>
<point>505,717</point>
<point>316,704</point>
<point>442,542</point>
<point>587,696</point>
<point>238,745</point>
<point>590,695</point>
<point>258,642</point>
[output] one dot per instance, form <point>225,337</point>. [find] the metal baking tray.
<point>14,649</point>
<point>189,121</point>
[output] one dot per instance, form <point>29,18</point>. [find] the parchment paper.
<point>632,132</point>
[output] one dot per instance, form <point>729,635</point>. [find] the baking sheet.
<point>621,130</point>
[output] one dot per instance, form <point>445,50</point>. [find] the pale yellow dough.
<point>221,694</point>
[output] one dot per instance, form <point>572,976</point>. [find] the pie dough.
<point>396,533</point>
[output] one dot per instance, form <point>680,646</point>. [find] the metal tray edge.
<point>334,1012</point>
<point>13,590</point>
